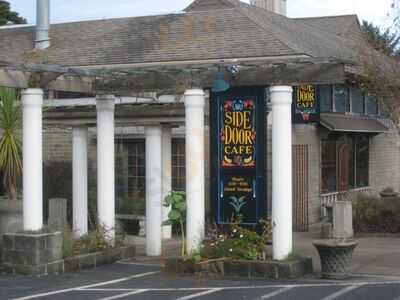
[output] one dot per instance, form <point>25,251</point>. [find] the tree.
<point>10,144</point>
<point>385,41</point>
<point>9,17</point>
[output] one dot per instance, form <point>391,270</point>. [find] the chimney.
<point>276,6</point>
<point>42,24</point>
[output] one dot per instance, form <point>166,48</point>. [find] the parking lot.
<point>145,280</point>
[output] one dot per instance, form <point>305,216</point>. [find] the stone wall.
<point>384,161</point>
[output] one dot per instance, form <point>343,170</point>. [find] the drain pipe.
<point>42,24</point>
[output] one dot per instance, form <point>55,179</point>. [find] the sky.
<point>77,10</point>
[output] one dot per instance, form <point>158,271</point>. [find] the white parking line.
<point>86,286</point>
<point>342,292</point>
<point>275,293</point>
<point>199,294</point>
<point>124,295</point>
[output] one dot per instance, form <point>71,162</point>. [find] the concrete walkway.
<point>373,255</point>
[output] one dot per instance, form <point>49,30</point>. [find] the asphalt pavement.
<point>143,279</point>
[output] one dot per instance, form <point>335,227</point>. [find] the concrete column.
<point>32,101</point>
<point>195,182</point>
<point>166,177</point>
<point>153,190</point>
<point>105,163</point>
<point>80,180</point>
<point>281,99</point>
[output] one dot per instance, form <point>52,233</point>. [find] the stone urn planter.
<point>336,256</point>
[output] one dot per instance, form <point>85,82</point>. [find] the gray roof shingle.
<point>209,29</point>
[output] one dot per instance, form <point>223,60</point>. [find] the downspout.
<point>42,40</point>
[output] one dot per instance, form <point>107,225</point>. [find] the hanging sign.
<point>305,104</point>
<point>238,133</point>
<point>238,166</point>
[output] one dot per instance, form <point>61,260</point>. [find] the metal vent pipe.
<point>42,24</point>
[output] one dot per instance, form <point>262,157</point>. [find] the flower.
<point>220,236</point>
<point>234,230</point>
<point>230,250</point>
<point>241,236</point>
<point>212,244</point>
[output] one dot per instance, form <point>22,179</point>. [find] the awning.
<point>352,123</point>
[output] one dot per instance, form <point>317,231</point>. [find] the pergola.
<point>187,78</point>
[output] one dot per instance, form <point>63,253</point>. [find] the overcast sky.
<point>76,10</point>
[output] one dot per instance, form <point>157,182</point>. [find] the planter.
<point>336,256</point>
<point>389,194</point>
<point>222,267</point>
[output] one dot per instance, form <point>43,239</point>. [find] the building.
<point>351,146</point>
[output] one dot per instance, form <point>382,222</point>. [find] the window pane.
<point>362,161</point>
<point>325,98</point>
<point>357,101</point>
<point>178,165</point>
<point>341,98</point>
<point>328,166</point>
<point>372,105</point>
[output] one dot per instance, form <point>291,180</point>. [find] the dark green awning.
<point>352,123</point>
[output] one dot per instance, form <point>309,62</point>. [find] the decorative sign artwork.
<point>305,104</point>
<point>238,133</point>
<point>238,181</point>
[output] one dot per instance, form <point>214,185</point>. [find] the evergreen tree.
<point>386,41</point>
<point>7,16</point>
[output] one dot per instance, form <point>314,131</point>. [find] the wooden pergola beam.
<point>175,80</point>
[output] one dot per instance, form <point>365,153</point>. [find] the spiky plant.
<point>10,143</point>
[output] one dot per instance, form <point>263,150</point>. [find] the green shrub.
<point>238,242</point>
<point>95,241</point>
<point>372,214</point>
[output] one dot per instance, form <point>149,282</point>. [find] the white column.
<point>166,177</point>
<point>195,197</point>
<point>32,101</point>
<point>105,163</point>
<point>153,190</point>
<point>80,180</point>
<point>281,99</point>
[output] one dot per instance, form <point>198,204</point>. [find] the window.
<point>130,173</point>
<point>362,159</point>
<point>357,101</point>
<point>371,104</point>
<point>325,96</point>
<point>344,162</point>
<point>328,166</point>
<point>130,176</point>
<point>178,165</point>
<point>341,98</point>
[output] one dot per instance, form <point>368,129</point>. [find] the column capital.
<point>281,90</point>
<point>194,98</point>
<point>105,102</point>
<point>32,97</point>
<point>153,130</point>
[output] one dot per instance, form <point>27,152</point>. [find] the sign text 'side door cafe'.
<point>238,156</point>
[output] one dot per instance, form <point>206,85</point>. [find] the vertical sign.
<point>238,161</point>
<point>305,104</point>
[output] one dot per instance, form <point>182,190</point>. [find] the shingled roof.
<point>207,29</point>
